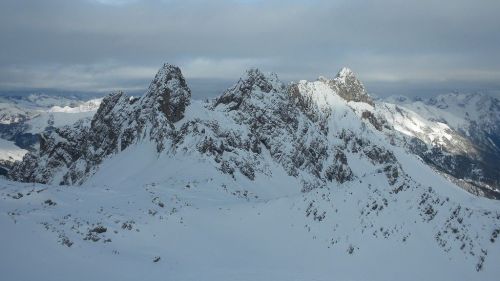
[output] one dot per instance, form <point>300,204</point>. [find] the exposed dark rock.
<point>234,96</point>
<point>378,124</point>
<point>459,166</point>
<point>347,85</point>
<point>49,202</point>
<point>99,229</point>
<point>76,151</point>
<point>339,171</point>
<point>169,93</point>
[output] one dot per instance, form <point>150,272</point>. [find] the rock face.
<point>347,85</point>
<point>254,79</point>
<point>169,93</point>
<point>259,115</point>
<point>314,130</point>
<point>68,155</point>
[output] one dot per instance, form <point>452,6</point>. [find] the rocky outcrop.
<point>168,93</point>
<point>255,80</point>
<point>311,129</point>
<point>68,155</point>
<point>261,116</point>
<point>348,86</point>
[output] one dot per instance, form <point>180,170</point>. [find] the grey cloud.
<point>89,43</point>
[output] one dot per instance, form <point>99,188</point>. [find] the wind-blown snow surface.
<point>10,151</point>
<point>206,226</point>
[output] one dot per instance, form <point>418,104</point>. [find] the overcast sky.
<point>393,45</point>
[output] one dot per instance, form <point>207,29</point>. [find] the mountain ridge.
<point>336,167</point>
<point>261,102</point>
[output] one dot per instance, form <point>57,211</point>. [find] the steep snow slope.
<point>468,145</point>
<point>455,109</point>
<point>267,182</point>
<point>414,125</point>
<point>474,116</point>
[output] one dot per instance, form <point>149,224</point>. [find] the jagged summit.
<point>345,72</point>
<point>254,80</point>
<point>68,155</point>
<point>348,86</point>
<point>169,92</point>
<point>264,106</point>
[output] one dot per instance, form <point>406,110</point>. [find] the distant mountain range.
<point>24,118</point>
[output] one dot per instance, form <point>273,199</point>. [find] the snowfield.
<point>11,152</point>
<point>207,226</point>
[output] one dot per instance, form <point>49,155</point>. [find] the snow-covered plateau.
<point>314,180</point>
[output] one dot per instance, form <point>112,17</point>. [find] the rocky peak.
<point>168,93</point>
<point>346,72</point>
<point>75,152</point>
<point>348,86</point>
<point>303,126</point>
<point>254,81</point>
<point>108,104</point>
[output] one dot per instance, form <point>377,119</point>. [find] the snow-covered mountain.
<point>311,180</point>
<point>42,100</point>
<point>24,118</point>
<point>40,111</point>
<point>461,133</point>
